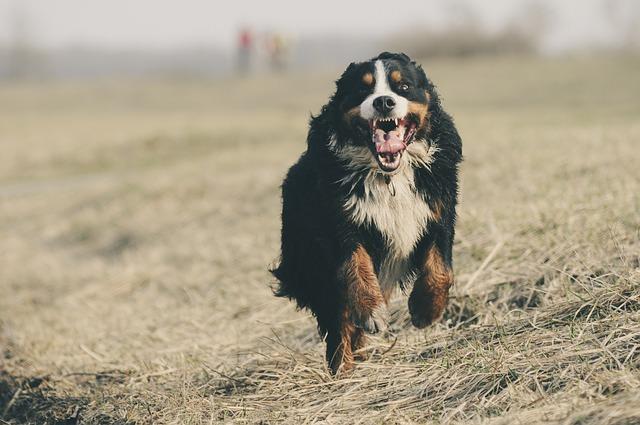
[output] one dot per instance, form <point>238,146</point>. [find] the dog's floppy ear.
<point>345,78</point>
<point>422,76</point>
<point>347,71</point>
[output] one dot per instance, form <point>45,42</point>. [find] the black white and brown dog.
<point>370,206</point>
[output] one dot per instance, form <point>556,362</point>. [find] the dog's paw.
<point>426,308</point>
<point>375,322</point>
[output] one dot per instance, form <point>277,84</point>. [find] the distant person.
<point>277,48</point>
<point>245,45</point>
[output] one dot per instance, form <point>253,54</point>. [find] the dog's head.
<point>383,104</point>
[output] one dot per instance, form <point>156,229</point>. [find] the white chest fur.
<point>395,209</point>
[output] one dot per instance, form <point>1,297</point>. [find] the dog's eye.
<point>403,87</point>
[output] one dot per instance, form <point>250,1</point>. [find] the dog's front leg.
<point>367,306</point>
<point>363,309</point>
<point>431,290</point>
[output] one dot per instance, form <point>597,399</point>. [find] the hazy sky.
<point>169,23</point>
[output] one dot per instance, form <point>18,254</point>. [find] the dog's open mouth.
<point>391,137</point>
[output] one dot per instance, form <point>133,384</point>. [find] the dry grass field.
<point>138,219</point>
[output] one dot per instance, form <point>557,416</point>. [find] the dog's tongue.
<point>388,143</point>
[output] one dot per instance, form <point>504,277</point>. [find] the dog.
<point>371,206</point>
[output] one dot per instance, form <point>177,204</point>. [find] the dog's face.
<point>384,104</point>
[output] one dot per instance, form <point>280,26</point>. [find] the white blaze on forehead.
<point>367,111</point>
<point>382,84</point>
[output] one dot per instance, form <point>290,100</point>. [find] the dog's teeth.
<point>396,121</point>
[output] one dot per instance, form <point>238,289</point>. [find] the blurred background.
<point>142,147</point>
<point>82,39</point>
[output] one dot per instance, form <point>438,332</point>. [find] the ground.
<point>138,220</point>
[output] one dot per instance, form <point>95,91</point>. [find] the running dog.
<point>371,205</point>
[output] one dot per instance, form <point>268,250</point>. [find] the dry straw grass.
<point>138,220</point>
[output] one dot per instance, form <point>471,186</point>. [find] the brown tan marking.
<point>396,76</point>
<point>431,291</point>
<point>367,78</point>
<point>363,290</point>
<point>358,342</point>
<point>421,110</point>
<point>351,113</point>
<point>436,209</point>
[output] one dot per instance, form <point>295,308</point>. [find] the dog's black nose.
<point>384,104</point>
